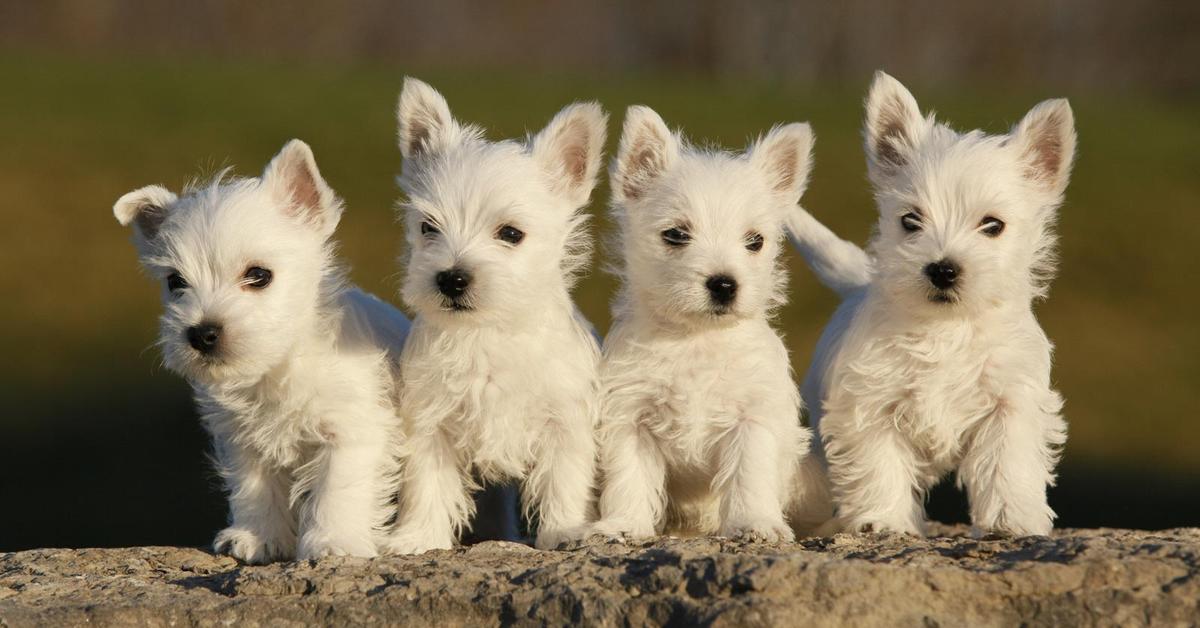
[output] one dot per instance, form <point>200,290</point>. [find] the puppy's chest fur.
<point>933,384</point>
<point>492,392</point>
<point>315,397</point>
<point>689,391</point>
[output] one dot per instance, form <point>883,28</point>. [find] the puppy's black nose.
<point>453,283</point>
<point>942,274</point>
<point>722,289</point>
<point>204,337</point>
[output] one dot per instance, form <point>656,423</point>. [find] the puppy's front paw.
<point>761,531</point>
<point>884,527</point>
<point>621,529</point>
<point>551,538</point>
<point>1008,529</point>
<point>250,547</point>
<point>317,544</point>
<point>406,542</point>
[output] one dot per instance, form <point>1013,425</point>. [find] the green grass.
<point>77,134</point>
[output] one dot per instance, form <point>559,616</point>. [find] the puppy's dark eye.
<point>911,222</point>
<point>428,228</point>
<point>257,277</point>
<point>754,242</point>
<point>676,236</point>
<point>176,282</point>
<point>991,226</point>
<point>510,234</point>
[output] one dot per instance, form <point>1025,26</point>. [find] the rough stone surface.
<point>1076,577</point>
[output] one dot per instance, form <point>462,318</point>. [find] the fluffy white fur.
<point>297,393</point>
<point>700,421</point>
<point>909,381</point>
<point>498,383</point>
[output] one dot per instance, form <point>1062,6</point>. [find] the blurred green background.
<point>99,444</point>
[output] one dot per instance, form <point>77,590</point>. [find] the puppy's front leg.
<point>1010,461</point>
<point>434,502</point>
<point>873,473</point>
<point>342,510</point>
<point>634,474</point>
<point>749,481</point>
<point>559,486</point>
<point>262,527</point>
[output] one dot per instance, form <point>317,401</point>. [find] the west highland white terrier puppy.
<point>934,361</point>
<point>700,420</point>
<point>292,368</point>
<point>499,377</point>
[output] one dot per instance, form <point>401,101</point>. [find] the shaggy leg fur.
<point>261,527</point>
<point>634,474</point>
<point>1008,465</point>
<point>749,483</point>
<point>874,478</point>
<point>343,506</point>
<point>559,487</point>
<point>435,503</point>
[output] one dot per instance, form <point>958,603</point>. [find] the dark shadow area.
<point>1091,496</point>
<point>131,468</point>
<point>124,473</point>
<point>125,477</point>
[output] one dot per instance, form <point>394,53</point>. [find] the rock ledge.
<point>1076,577</point>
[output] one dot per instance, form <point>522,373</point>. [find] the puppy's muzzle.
<point>204,337</point>
<point>453,283</point>
<point>722,289</point>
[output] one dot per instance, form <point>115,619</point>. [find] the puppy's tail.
<point>842,266</point>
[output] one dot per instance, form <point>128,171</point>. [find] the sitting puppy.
<point>291,368</point>
<point>934,362</point>
<point>700,420</point>
<point>499,376</point>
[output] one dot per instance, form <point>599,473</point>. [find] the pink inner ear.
<point>890,133</point>
<point>149,218</point>
<point>304,191</point>
<point>1045,152</point>
<point>643,161</point>
<point>418,133</point>
<point>785,162</point>
<point>575,153</point>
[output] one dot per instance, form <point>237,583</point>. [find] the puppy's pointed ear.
<point>145,209</point>
<point>785,157</point>
<point>1045,139</point>
<point>296,184</point>
<point>893,126</point>
<point>424,119</point>
<point>569,148</point>
<point>648,149</point>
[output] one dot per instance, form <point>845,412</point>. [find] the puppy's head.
<point>700,230</point>
<point>243,264</point>
<point>965,219</point>
<point>494,230</point>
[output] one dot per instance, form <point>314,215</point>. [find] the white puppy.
<point>935,362</point>
<point>499,376</point>
<point>291,368</point>
<point>700,420</point>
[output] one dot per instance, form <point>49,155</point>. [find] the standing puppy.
<point>700,414</point>
<point>499,376</point>
<point>934,362</point>
<point>290,366</point>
